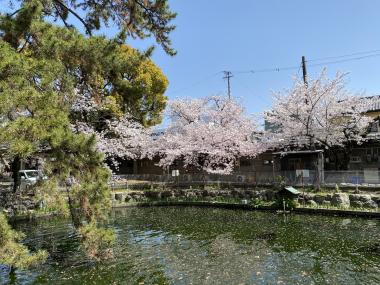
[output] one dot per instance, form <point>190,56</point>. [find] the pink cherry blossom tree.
<point>209,133</point>
<point>117,137</point>
<point>320,114</point>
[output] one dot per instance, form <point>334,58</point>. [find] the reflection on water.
<point>211,246</point>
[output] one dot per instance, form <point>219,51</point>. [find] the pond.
<point>179,245</point>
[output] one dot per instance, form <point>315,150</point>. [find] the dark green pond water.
<point>170,245</point>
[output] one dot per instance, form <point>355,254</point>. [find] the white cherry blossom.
<point>321,113</point>
<point>209,133</point>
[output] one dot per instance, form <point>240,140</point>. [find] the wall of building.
<point>365,156</point>
<point>261,163</point>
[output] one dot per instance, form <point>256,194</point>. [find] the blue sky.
<point>242,35</point>
<point>239,35</point>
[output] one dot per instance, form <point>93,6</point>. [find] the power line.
<point>299,68</point>
<point>263,99</point>
<point>346,55</point>
<point>295,67</point>
<point>272,69</point>
<point>197,82</point>
<point>340,59</point>
<point>345,60</point>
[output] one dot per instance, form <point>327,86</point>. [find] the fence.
<point>184,180</point>
<point>363,178</point>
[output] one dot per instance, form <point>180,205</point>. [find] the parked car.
<point>31,177</point>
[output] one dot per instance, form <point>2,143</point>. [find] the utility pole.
<point>228,75</point>
<point>304,71</point>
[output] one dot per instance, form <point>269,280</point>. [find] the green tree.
<point>35,106</point>
<point>135,18</point>
<point>114,74</point>
<point>43,70</point>
<point>117,76</point>
<point>32,106</point>
<point>14,254</point>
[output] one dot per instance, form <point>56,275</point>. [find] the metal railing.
<point>350,178</point>
<point>369,178</point>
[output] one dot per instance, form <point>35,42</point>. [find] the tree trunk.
<point>74,216</point>
<point>12,275</point>
<point>16,167</point>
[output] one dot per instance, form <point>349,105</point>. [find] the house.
<point>300,166</point>
<point>361,162</point>
<point>297,166</point>
<point>366,155</point>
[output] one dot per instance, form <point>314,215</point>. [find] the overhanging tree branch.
<point>75,14</point>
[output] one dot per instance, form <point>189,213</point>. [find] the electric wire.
<point>345,55</point>
<point>196,83</point>
<point>295,67</point>
<point>323,61</point>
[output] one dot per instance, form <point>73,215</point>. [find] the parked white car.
<point>30,177</point>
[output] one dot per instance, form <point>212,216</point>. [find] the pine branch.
<point>75,14</point>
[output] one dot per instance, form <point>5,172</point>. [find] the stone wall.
<point>340,200</point>
<point>17,203</point>
<point>140,196</point>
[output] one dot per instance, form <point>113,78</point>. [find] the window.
<point>32,173</point>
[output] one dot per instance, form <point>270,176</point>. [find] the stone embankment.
<point>17,203</point>
<point>140,196</point>
<point>14,204</point>
<point>339,200</point>
<point>342,200</point>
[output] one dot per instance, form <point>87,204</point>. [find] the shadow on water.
<point>178,245</point>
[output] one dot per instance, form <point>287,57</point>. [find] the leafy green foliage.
<point>97,241</point>
<point>45,68</point>
<point>50,198</point>
<point>134,18</point>
<point>117,77</point>
<point>36,119</point>
<point>77,158</point>
<point>14,254</point>
<point>31,107</point>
